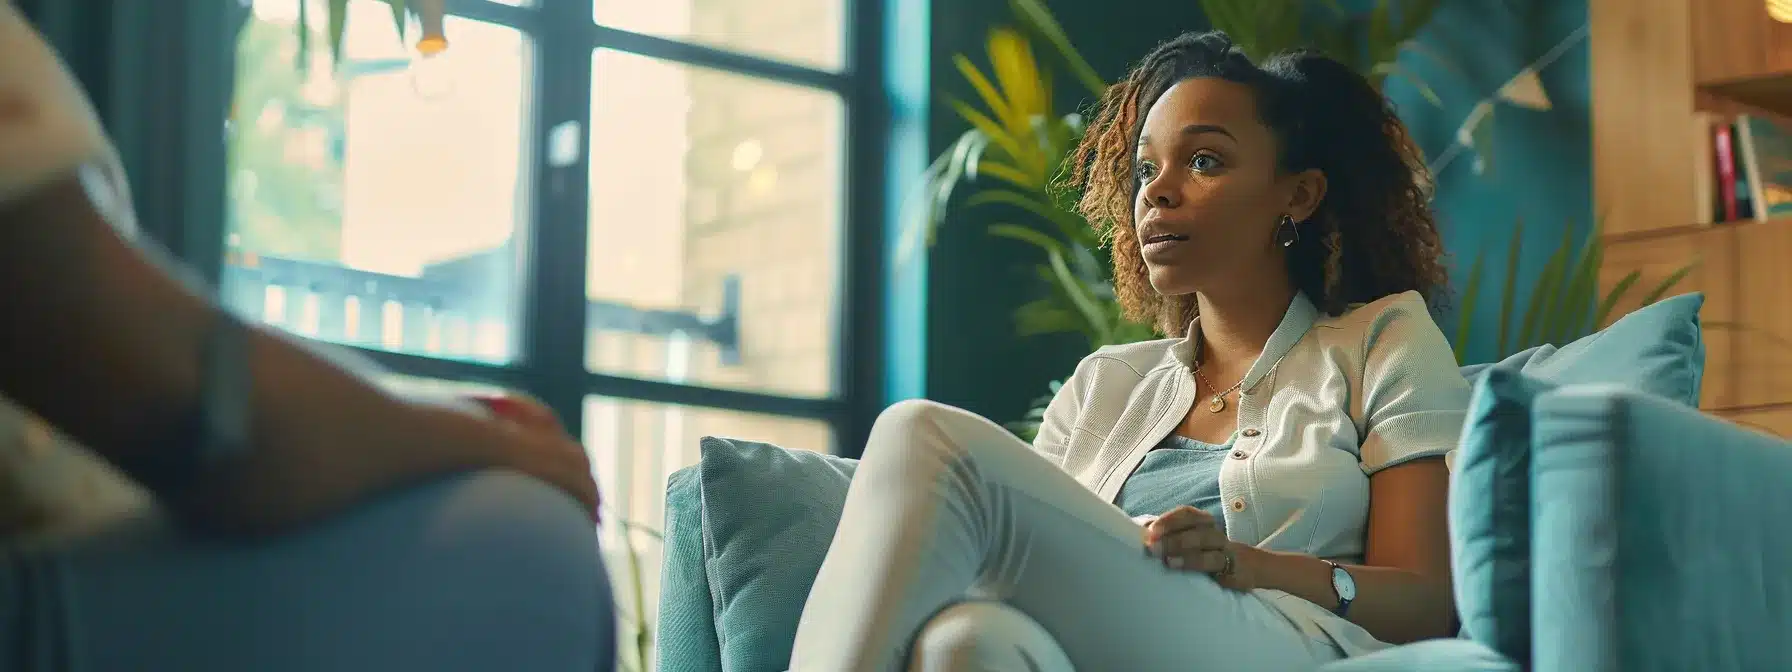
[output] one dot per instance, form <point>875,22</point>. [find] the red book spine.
<point>1726,171</point>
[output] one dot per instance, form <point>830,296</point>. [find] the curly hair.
<point>1376,235</point>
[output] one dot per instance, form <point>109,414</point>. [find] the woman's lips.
<point>1161,246</point>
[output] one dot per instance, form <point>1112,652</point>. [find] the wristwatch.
<point>1344,585</point>
<point>216,432</point>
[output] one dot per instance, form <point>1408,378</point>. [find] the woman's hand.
<point>1189,539</point>
<point>536,443</point>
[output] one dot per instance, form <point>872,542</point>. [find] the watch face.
<point>1344,584</point>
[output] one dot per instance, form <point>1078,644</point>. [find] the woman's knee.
<point>908,414</point>
<point>484,570</point>
<point>512,519</point>
<point>521,547</point>
<point>918,426</point>
<point>985,636</point>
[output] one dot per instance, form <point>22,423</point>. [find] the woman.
<point>1283,451</point>
<point>319,530</point>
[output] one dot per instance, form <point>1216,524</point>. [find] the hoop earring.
<point>1287,234</point>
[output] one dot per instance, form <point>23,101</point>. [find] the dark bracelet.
<point>217,430</point>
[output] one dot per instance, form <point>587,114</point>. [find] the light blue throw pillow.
<point>767,516</point>
<point>1657,349</point>
<point>685,639</point>
<point>1490,512</point>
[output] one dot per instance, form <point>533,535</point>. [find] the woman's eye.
<point>1204,163</point>
<point>1145,172</point>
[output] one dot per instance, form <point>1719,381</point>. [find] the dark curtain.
<point>159,73</point>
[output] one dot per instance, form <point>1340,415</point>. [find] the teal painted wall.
<point>1540,170</point>
<point>1541,164</point>
<point>975,281</point>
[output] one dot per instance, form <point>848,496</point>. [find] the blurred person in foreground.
<point>299,517</point>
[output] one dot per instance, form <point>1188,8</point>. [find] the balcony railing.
<point>452,309</point>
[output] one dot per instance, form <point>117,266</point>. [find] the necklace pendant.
<point>1217,404</point>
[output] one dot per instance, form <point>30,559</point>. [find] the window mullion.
<point>555,306</point>
<point>870,217</point>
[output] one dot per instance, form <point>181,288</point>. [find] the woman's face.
<point>1210,195</point>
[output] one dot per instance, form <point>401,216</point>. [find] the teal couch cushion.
<point>1659,538</point>
<point>766,516</point>
<point>1657,350</point>
<point>1436,655</point>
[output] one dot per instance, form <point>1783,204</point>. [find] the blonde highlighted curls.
<point>1372,236</point>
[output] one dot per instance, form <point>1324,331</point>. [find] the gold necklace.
<point>1218,402</point>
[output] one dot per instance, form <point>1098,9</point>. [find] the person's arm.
<point>1403,586</point>
<point>106,346</point>
<point>110,347</point>
<point>1414,400</point>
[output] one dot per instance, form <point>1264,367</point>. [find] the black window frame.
<point>176,154</point>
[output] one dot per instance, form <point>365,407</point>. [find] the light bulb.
<point>1780,10</point>
<point>432,77</point>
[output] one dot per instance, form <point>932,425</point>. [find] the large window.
<point>631,209</point>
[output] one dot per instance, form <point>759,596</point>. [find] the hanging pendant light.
<point>430,14</point>
<point>1780,10</point>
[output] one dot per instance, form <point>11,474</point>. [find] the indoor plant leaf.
<point>1040,20</point>
<point>1465,311</point>
<point>1509,297</point>
<point>1543,295</point>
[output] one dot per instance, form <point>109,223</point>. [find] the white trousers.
<point>960,548</point>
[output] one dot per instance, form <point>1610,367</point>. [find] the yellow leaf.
<point>985,90</point>
<point>1011,60</point>
<point>989,129</point>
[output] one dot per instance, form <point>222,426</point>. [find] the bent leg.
<point>486,571</point>
<point>980,635</point>
<point>947,505</point>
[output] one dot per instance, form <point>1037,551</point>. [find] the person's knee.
<point>537,556</point>
<point>985,636</point>
<point>908,414</point>
<point>533,523</point>
<point>912,425</point>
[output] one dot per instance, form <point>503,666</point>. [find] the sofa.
<point>1599,522</point>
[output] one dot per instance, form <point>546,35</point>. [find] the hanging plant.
<point>429,13</point>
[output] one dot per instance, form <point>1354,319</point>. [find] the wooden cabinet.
<point>1713,254</point>
<point>1641,69</point>
<point>1763,335</point>
<point>1741,56</point>
<point>1735,40</point>
<point>1655,64</point>
<point>1776,420</point>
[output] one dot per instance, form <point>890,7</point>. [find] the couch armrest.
<point>1659,537</point>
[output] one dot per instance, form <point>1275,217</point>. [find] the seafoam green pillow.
<point>1657,349</point>
<point>769,514</point>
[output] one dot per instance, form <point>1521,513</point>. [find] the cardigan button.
<point>1239,455</point>
<point>1252,432</point>
<point>1238,504</point>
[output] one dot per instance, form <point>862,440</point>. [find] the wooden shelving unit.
<point>1657,64</point>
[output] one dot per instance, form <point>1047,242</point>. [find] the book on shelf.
<point>1743,170</point>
